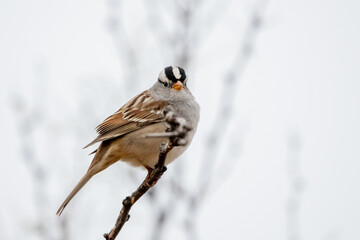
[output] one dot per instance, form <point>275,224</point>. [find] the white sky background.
<point>303,79</point>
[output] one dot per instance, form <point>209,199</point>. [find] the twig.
<point>176,133</point>
<point>129,201</point>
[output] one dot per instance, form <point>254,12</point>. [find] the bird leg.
<point>158,173</point>
<point>149,169</point>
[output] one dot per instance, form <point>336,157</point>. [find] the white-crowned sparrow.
<point>123,134</point>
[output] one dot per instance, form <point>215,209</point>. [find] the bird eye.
<point>166,84</point>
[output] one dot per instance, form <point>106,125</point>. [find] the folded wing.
<point>140,111</point>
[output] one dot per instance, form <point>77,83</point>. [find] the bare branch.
<point>177,132</point>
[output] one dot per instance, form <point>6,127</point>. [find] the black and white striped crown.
<point>174,73</point>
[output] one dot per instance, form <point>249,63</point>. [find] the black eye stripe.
<point>163,83</point>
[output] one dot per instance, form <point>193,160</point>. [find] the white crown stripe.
<point>176,72</point>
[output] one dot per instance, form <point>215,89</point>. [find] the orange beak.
<point>178,85</point>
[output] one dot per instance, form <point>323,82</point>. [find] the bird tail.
<point>76,189</point>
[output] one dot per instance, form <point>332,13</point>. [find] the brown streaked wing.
<point>140,111</point>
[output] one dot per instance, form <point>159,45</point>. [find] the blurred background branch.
<point>296,181</point>
<point>31,120</point>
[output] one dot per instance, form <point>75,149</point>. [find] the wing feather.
<point>139,111</point>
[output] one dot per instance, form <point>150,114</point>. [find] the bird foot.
<point>157,177</point>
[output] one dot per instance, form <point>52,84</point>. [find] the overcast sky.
<point>303,80</point>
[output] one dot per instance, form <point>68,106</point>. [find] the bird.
<point>122,135</point>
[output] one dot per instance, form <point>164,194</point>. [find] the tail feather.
<point>76,189</point>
